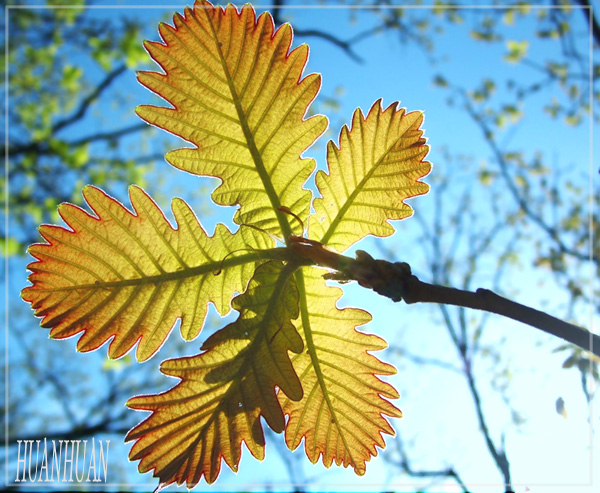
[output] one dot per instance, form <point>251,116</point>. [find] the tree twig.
<point>346,46</point>
<point>87,101</point>
<point>589,16</point>
<point>396,281</point>
<point>405,465</point>
<point>512,188</point>
<point>422,360</point>
<point>42,148</point>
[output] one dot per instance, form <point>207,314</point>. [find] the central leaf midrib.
<point>234,385</point>
<point>252,147</point>
<point>312,350</point>
<point>278,291</point>
<point>271,254</point>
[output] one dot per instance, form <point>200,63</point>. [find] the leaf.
<point>516,51</point>
<point>375,168</point>
<point>341,416</point>
<point>560,407</point>
<point>238,96</point>
<point>132,275</point>
<point>224,390</point>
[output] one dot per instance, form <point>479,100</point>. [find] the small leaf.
<point>440,81</point>
<point>239,97</point>
<point>560,407</point>
<point>376,167</point>
<point>341,416</point>
<point>130,276</point>
<point>488,36</point>
<point>224,390</point>
<point>10,246</point>
<point>516,51</point>
<point>570,361</point>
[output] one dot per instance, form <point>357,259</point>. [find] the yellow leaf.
<point>375,168</point>
<point>224,390</point>
<point>130,276</point>
<point>341,416</point>
<point>239,96</point>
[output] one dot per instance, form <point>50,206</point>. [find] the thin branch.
<point>499,456</point>
<point>512,188</point>
<point>82,109</point>
<point>42,148</point>
<point>47,376</point>
<point>477,246</point>
<point>122,162</point>
<point>396,281</point>
<point>346,46</point>
<point>589,16</point>
<point>115,134</point>
<point>405,465</point>
<point>86,102</point>
<point>423,360</point>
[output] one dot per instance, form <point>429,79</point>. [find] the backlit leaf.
<point>132,275</point>
<point>238,96</point>
<point>341,416</point>
<point>375,168</point>
<point>224,390</point>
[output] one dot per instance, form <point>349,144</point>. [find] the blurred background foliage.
<point>64,65</point>
<point>71,80</point>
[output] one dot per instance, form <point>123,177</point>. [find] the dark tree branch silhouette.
<point>404,464</point>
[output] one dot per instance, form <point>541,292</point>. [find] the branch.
<point>42,148</point>
<point>346,46</point>
<point>441,265</point>
<point>499,455</point>
<point>405,465</point>
<point>112,135</point>
<point>421,360</point>
<point>512,188</point>
<point>86,102</point>
<point>143,159</point>
<point>396,281</point>
<point>589,16</point>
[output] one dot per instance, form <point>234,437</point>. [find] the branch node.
<point>388,279</point>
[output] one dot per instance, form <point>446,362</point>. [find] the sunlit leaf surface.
<point>131,275</point>
<point>376,167</point>
<point>225,389</point>
<point>342,414</point>
<point>238,95</point>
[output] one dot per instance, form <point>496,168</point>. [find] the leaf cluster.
<point>237,93</point>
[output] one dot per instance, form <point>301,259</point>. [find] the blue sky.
<point>438,419</point>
